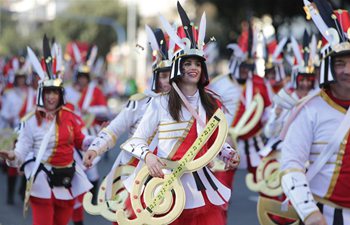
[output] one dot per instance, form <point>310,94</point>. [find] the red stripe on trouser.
<point>11,171</point>
<point>78,213</point>
<point>51,211</point>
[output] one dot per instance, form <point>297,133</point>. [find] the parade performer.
<point>89,102</point>
<point>267,181</point>
<point>45,148</point>
<point>303,83</point>
<point>180,117</point>
<point>254,100</point>
<point>17,101</point>
<point>92,103</point>
<point>315,165</point>
<point>274,70</point>
<point>130,116</point>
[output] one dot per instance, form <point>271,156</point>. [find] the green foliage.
<point>76,22</point>
<point>9,41</point>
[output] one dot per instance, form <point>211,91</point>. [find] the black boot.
<point>22,188</point>
<point>11,184</point>
<point>94,191</point>
<point>79,223</point>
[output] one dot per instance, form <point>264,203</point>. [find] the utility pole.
<point>131,35</point>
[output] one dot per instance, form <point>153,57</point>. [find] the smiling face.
<point>51,98</point>
<point>191,70</point>
<point>342,71</point>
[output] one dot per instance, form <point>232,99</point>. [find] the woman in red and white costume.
<point>45,148</point>
<point>129,118</point>
<point>302,84</point>
<point>17,101</point>
<point>177,129</point>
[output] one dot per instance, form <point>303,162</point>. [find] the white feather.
<point>296,51</point>
<point>167,27</point>
<point>35,63</point>
<point>92,57</point>
<point>171,48</point>
<point>152,40</point>
<point>237,51</point>
<point>15,64</point>
<point>97,70</point>
<point>54,50</point>
<point>333,36</point>
<point>201,32</point>
<point>316,17</point>
<point>76,53</point>
<point>210,47</point>
<point>313,47</point>
<point>59,58</point>
<point>25,68</point>
<point>279,48</point>
<point>211,51</point>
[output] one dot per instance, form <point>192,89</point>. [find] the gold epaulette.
<point>69,110</point>
<point>137,97</point>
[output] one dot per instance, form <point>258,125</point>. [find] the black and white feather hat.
<point>334,25</point>
<point>49,69</point>
<point>189,42</point>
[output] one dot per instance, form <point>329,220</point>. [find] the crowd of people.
<point>188,134</point>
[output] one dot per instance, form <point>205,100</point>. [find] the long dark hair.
<point>209,103</point>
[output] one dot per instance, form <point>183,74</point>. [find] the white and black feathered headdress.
<point>49,69</point>
<point>14,67</point>
<point>84,65</point>
<point>304,57</point>
<point>273,59</point>
<point>244,51</point>
<point>335,28</point>
<point>189,43</point>
<point>162,52</point>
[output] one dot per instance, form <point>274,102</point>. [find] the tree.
<point>73,24</point>
<point>11,42</point>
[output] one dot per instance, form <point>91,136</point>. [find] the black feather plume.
<point>158,33</point>
<point>250,40</point>
<point>306,49</point>
<point>186,24</point>
<point>89,53</point>
<point>47,56</point>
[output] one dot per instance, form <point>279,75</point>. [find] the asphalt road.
<point>242,210</point>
